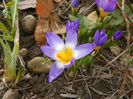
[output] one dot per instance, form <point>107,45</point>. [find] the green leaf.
<point>83,31</point>
<point>72,18</point>
<point>14,12</point>
<point>84,23</point>
<point>3,28</point>
<point>9,65</point>
<point>128,12</point>
<point>84,62</point>
<point>7,37</point>
<point>117,18</point>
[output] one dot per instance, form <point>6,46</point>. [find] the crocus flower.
<point>100,38</point>
<point>73,25</point>
<point>106,6</point>
<point>64,54</point>
<point>117,35</point>
<point>75,3</point>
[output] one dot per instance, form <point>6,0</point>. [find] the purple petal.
<point>54,41</point>
<point>102,33</point>
<point>96,37</point>
<point>83,50</point>
<point>117,35</point>
<point>68,25</point>
<point>102,40</point>
<point>55,71</point>
<point>71,39</point>
<point>73,25</point>
<point>71,63</point>
<point>49,51</point>
<point>111,6</point>
<point>75,3</point>
<point>97,2</point>
<point>107,5</point>
<point>103,4</point>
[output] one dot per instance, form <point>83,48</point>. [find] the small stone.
<point>28,24</point>
<point>23,52</point>
<point>27,77</point>
<point>11,94</point>
<point>39,65</point>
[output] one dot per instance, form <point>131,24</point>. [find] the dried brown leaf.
<point>44,25</point>
<point>41,29</point>
<point>44,8</point>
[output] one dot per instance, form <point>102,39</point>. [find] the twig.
<point>24,88</point>
<point>66,9</point>
<point>60,4</point>
<point>99,92</point>
<point>4,4</point>
<point>122,91</point>
<point>123,5</point>
<point>86,84</point>
<point>115,58</point>
<point>129,4</point>
<point>126,19</point>
<point>88,8</point>
<point>74,79</point>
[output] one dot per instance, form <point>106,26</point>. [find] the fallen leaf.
<point>44,8</point>
<point>41,29</point>
<point>53,24</point>
<point>26,4</point>
<point>116,50</point>
<point>92,17</point>
<point>48,21</point>
<point>56,25</point>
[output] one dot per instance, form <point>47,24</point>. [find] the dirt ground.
<point>96,82</point>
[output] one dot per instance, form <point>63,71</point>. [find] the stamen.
<point>65,55</point>
<point>103,14</point>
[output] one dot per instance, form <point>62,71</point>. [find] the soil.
<point>85,84</point>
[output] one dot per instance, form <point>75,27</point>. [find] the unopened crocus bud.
<point>73,25</point>
<point>100,38</point>
<point>75,3</point>
<point>117,35</point>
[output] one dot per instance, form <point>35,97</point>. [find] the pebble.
<point>11,94</point>
<point>39,65</point>
<point>28,24</point>
<point>23,52</point>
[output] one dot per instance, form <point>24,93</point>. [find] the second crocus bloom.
<point>106,6</point>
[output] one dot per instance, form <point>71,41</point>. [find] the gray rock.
<point>39,65</point>
<point>28,24</point>
<point>11,94</point>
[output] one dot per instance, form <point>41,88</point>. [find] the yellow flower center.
<point>103,14</point>
<point>97,48</point>
<point>65,55</point>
